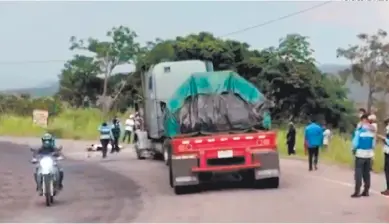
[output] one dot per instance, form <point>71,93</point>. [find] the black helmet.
<point>104,124</point>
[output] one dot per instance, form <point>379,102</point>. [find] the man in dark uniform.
<point>291,139</point>
<point>115,135</point>
<point>386,154</point>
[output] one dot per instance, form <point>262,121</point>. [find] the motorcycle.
<point>48,175</point>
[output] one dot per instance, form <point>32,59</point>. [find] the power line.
<point>277,19</point>
<point>227,34</point>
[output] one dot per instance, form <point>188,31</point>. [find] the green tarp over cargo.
<point>214,102</point>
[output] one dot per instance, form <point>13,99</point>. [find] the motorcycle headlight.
<point>46,162</point>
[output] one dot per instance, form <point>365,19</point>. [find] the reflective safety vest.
<point>105,132</point>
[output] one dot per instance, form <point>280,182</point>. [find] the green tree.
<point>122,48</point>
<point>78,79</point>
<point>287,73</point>
<point>369,63</point>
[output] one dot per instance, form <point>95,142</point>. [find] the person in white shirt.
<point>326,136</point>
<point>373,121</point>
<point>129,128</point>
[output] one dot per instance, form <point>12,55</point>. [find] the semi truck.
<point>203,123</point>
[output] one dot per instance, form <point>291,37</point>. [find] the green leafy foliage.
<point>369,63</point>
<point>287,73</point>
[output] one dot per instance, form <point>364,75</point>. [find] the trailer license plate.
<point>225,154</point>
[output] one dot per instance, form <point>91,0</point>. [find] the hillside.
<point>43,91</point>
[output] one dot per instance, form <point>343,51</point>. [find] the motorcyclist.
<point>48,147</point>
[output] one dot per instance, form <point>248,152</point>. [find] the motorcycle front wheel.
<point>48,188</point>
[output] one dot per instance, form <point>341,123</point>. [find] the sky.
<point>40,31</point>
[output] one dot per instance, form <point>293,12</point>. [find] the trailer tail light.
<point>185,146</point>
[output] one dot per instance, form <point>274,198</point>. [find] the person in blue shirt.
<point>313,136</point>
<point>363,148</point>
<point>105,137</point>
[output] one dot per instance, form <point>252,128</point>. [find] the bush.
<point>73,124</point>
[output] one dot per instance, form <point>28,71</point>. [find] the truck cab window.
<point>150,83</point>
<point>162,105</point>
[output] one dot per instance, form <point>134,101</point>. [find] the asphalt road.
<point>123,189</point>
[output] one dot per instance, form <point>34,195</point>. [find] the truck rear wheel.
<point>166,149</point>
<point>170,176</point>
<point>268,183</point>
<point>179,190</point>
<point>273,182</point>
<point>158,156</point>
<point>139,154</point>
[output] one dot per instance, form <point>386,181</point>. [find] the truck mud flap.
<point>181,172</point>
<point>270,165</point>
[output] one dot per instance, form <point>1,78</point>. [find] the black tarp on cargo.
<point>216,102</point>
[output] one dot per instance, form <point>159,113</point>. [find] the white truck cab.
<point>159,84</point>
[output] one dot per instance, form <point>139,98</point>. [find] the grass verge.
<point>338,151</point>
<point>83,124</point>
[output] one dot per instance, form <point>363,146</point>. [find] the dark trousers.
<point>387,170</point>
<point>313,157</point>
<point>362,172</point>
<point>115,144</point>
<point>127,134</point>
<point>104,146</point>
<point>291,148</point>
<point>135,137</point>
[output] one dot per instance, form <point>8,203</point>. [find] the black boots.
<point>365,194</point>
<point>38,184</point>
<point>60,185</point>
<point>36,181</point>
<point>356,194</point>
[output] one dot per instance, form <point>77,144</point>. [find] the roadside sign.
<point>40,117</point>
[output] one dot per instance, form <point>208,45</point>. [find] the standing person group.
<point>315,137</point>
<point>364,143</point>
<point>110,134</point>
